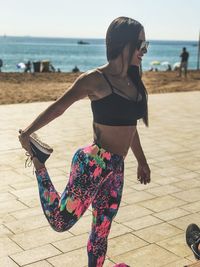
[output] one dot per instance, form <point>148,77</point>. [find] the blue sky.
<point>162,19</point>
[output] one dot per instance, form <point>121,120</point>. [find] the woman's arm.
<point>78,90</point>
<point>143,171</point>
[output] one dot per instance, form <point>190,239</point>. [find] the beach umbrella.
<point>165,63</point>
<point>21,65</point>
<point>176,65</point>
<point>155,62</point>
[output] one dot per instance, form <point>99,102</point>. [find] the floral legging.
<point>96,178</point>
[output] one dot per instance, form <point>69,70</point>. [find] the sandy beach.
<point>34,87</point>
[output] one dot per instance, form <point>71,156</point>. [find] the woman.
<point>118,100</point>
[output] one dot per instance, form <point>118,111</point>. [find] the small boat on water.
<point>81,42</point>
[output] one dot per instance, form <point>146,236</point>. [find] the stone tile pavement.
<point>149,229</point>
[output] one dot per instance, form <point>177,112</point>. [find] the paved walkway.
<point>149,229</point>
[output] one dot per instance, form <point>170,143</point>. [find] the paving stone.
<point>34,255</point>
<point>31,201</point>
<point>189,183</point>
<point>142,222</point>
<point>164,180</point>
<point>118,229</point>
<point>74,258</point>
<point>6,196</point>
<point>183,222</point>
<point>7,262</point>
<point>147,256</point>
<point>162,203</point>
<point>135,197</point>
<point>39,237</point>
<point>82,226</point>
<point>5,218</point>
<point>30,191</point>
<point>190,195</point>
<point>192,207</point>
<point>119,245</point>
<point>131,212</point>
<point>171,214</point>
<point>179,263</point>
<point>40,264</point>
<point>4,231</point>
<point>9,176</point>
<point>158,232</point>
<point>8,247</point>
<point>23,185</point>
<point>11,205</point>
<point>27,213</point>
<point>27,224</point>
<point>141,187</point>
<point>176,245</point>
<point>163,190</point>
<point>72,243</point>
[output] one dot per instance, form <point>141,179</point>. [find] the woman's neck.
<point>116,68</point>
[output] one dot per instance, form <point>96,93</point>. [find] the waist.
<point>116,139</point>
<point>105,152</point>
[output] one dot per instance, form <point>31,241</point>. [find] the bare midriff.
<point>115,139</point>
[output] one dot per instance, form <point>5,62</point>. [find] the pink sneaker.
<point>121,265</point>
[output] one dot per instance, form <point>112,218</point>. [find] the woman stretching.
<point>118,99</point>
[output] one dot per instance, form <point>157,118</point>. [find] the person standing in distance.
<point>184,62</point>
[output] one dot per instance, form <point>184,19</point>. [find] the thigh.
<point>84,181</point>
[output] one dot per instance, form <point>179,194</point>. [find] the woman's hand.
<point>25,142</point>
<point>143,173</point>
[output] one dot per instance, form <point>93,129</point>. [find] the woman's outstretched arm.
<point>78,90</point>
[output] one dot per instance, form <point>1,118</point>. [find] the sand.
<point>34,87</point>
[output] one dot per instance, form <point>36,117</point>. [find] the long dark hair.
<point>123,31</point>
<point>134,74</point>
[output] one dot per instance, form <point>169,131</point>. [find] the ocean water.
<point>65,53</point>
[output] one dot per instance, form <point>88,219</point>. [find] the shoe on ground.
<point>193,239</point>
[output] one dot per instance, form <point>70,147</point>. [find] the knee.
<point>60,225</point>
<point>102,230</point>
<point>60,228</point>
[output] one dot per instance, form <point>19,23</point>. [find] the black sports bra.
<point>116,110</point>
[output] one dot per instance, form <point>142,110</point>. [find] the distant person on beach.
<point>75,69</point>
<point>118,99</point>
<point>184,62</point>
<point>27,67</point>
<point>1,64</point>
<point>52,68</point>
<point>169,68</point>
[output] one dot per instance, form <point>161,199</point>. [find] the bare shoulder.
<point>90,81</point>
<point>90,77</point>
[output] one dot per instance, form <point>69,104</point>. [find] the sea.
<point>66,53</point>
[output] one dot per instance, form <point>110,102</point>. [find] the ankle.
<point>38,165</point>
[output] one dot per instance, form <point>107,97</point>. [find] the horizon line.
<point>86,38</point>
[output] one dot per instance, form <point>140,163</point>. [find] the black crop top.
<point>116,110</point>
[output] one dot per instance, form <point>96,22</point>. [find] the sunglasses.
<point>142,46</point>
